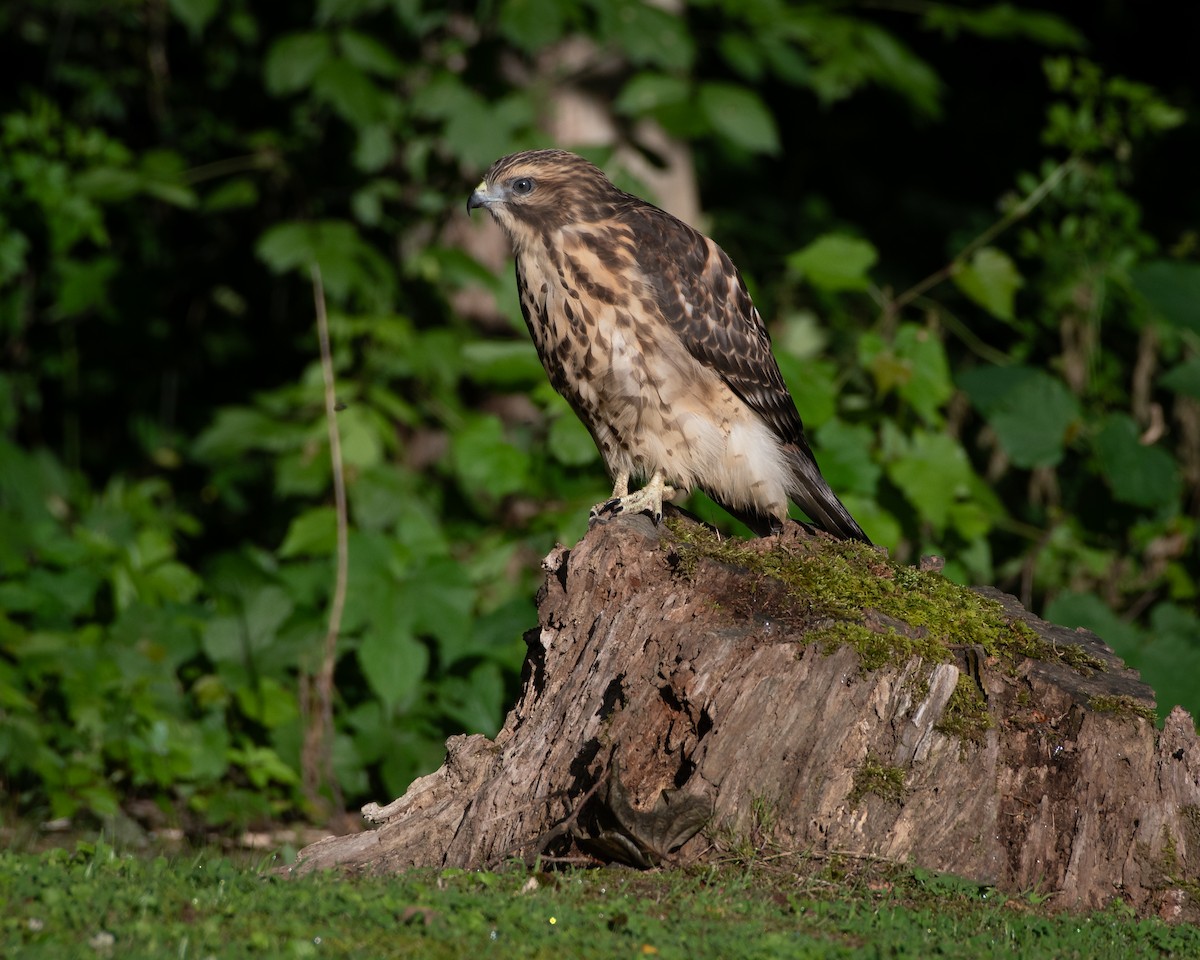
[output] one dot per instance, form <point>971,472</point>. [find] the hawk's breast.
<point>598,326</point>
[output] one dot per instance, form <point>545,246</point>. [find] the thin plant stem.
<point>318,746</point>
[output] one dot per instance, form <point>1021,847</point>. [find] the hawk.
<point>645,326</point>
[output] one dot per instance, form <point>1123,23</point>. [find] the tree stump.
<point>686,695</point>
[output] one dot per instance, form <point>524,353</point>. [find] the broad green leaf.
<point>646,34</point>
<point>265,612</point>
<point>739,115</point>
<point>569,441</point>
<point>1184,378</point>
<point>231,194</point>
<point>502,363</point>
<point>1140,475</point>
<point>835,262</point>
<point>14,248</point>
<point>235,431</point>
<point>1032,413</point>
<point>743,54</point>
<point>195,14</point>
<point>933,473</point>
<point>349,265</point>
<point>294,60</point>
<point>990,387</point>
<point>172,581</point>
<point>913,365</point>
<point>929,386</point>
<point>844,454</point>
<point>441,601</point>
<point>83,285</point>
<point>1170,658</point>
<point>990,279</point>
<point>648,91</point>
<point>368,54</point>
<point>1071,608</point>
<point>477,700</point>
<point>223,639</point>
<point>1173,290</point>
<point>486,462</point>
<point>375,148</point>
<point>813,386</point>
<point>312,533</point>
<point>362,437</point>
<point>268,702</point>
<point>1003,20</point>
<point>393,661</point>
<point>532,25</point>
<point>351,93</point>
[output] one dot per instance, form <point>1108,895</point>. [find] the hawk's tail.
<point>813,495</point>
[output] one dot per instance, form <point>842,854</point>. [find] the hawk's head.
<point>537,191</point>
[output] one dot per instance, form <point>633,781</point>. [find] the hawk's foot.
<point>647,500</point>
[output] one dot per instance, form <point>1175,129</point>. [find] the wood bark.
<point>670,712</point>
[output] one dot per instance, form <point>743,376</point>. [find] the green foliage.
<point>169,179</point>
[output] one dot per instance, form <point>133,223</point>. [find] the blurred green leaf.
<point>393,662</point>
<point>313,532</point>
<point>1031,412</point>
<point>1184,378</point>
<point>486,462</point>
<point>990,279</point>
<point>739,115</point>
<point>195,14</point>
<point>569,441</point>
<point>1170,657</point>
<point>533,25</point>
<point>835,262</point>
<point>1173,290</point>
<point>646,92</point>
<point>813,386</point>
<point>1144,476</point>
<point>844,454</point>
<point>368,54</point>
<point>646,34</point>
<point>502,363</point>
<point>293,62</point>
<point>932,473</point>
<point>1004,20</point>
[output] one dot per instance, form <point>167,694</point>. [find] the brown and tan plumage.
<point>645,326</point>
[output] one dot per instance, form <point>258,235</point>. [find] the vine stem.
<point>317,756</point>
<point>1021,210</point>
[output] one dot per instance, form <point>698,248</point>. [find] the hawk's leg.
<point>647,500</point>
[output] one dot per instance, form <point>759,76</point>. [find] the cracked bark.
<point>657,720</point>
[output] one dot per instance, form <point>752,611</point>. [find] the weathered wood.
<point>674,705</point>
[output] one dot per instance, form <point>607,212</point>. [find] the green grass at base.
<point>95,902</point>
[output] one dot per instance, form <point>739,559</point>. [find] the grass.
<point>95,902</point>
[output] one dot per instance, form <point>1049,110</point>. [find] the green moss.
<point>1172,871</point>
<point>832,585</point>
<point>966,715</point>
<point>878,778</point>
<point>1123,706</point>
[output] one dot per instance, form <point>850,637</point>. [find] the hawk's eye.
<point>522,186</point>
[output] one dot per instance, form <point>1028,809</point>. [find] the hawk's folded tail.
<point>813,495</point>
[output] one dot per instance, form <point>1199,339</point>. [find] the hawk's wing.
<point>701,295</point>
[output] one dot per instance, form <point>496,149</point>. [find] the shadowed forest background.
<point>973,230</point>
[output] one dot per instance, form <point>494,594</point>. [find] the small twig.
<point>1022,209</point>
<point>549,836</point>
<point>1029,564</point>
<point>317,757</point>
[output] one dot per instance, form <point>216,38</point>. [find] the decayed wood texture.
<point>659,701</point>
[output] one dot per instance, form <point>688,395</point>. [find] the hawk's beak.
<point>480,197</point>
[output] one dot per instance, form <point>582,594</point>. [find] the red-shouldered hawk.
<point>645,326</point>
